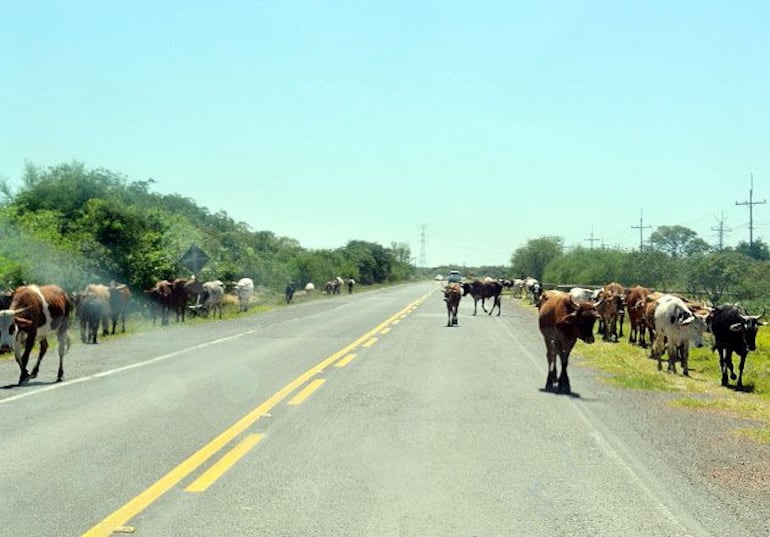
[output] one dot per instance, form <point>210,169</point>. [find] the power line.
<point>592,240</point>
<point>721,231</point>
<point>641,227</point>
<point>751,204</point>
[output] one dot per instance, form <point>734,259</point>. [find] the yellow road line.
<point>225,463</point>
<point>369,342</point>
<point>144,499</point>
<point>306,392</point>
<point>384,331</point>
<point>346,360</point>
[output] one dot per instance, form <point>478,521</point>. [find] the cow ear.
<point>736,327</point>
<point>568,320</point>
<point>686,321</point>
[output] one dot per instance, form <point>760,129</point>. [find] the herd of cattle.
<point>670,323</point>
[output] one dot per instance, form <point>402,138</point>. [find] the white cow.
<point>244,289</point>
<point>212,298</point>
<point>676,326</point>
<point>581,294</point>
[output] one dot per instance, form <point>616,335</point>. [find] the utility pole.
<point>641,227</point>
<point>751,204</point>
<point>721,231</point>
<point>592,240</point>
<point>423,261</point>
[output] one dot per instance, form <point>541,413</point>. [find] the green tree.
<point>714,275</point>
<point>534,257</point>
<point>678,241</point>
<point>757,250</point>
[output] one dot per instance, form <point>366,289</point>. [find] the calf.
<point>635,302</point>
<point>676,326</point>
<point>34,313</point>
<point>562,322</point>
<point>734,332</point>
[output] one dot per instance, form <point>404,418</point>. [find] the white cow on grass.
<point>676,326</point>
<point>244,289</point>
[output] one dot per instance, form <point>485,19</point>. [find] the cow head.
<point>582,318</point>
<point>749,325</point>
<point>9,324</point>
<point>693,327</point>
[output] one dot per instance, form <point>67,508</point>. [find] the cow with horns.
<point>562,322</point>
<point>34,313</point>
<point>734,332</point>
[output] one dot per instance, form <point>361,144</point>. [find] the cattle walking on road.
<point>562,322</point>
<point>34,313</point>
<point>481,291</point>
<point>452,295</point>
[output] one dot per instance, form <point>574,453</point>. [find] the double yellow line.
<point>139,503</point>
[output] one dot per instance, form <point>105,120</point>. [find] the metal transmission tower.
<point>751,204</point>
<point>423,260</point>
<point>641,227</point>
<point>592,240</point>
<point>721,230</point>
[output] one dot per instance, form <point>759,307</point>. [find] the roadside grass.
<point>628,366</point>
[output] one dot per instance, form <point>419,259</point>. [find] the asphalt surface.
<point>413,428</point>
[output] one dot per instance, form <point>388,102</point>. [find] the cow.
<point>481,291</point>
<point>616,289</point>
<point>453,292</point>
<point>182,291</point>
<point>734,332</point>
<point>98,297</point>
<point>610,313</point>
<point>212,298</point>
<point>34,313</point>
<point>581,294</point>
<point>562,322</point>
<point>289,292</point>
<point>244,289</point>
<point>91,310</point>
<point>351,283</point>
<point>309,288</point>
<point>635,302</point>
<point>676,326</point>
<point>534,289</point>
<point>120,298</point>
<point>160,300</point>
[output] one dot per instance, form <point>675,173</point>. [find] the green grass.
<point>628,366</point>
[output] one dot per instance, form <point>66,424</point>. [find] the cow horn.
<point>762,314</point>
<point>599,303</point>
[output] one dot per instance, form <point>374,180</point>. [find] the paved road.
<point>355,415</point>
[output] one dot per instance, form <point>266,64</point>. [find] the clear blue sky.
<point>490,123</point>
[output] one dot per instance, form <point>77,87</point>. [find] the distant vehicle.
<point>454,276</point>
<point>439,277</point>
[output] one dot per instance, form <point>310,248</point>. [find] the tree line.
<point>70,225</point>
<point>675,260</point>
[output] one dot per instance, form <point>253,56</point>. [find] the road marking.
<point>225,463</point>
<point>306,392</point>
<point>146,498</point>
<point>346,360</point>
<point>384,331</point>
<point>369,342</point>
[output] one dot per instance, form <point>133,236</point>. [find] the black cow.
<point>483,290</point>
<point>734,332</point>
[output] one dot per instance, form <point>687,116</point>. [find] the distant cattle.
<point>244,289</point>
<point>120,298</point>
<point>562,322</point>
<point>481,291</point>
<point>635,303</point>
<point>289,292</point>
<point>676,327</point>
<point>96,298</point>
<point>452,295</point>
<point>160,300</point>
<point>309,288</point>
<point>184,290</point>
<point>34,313</point>
<point>351,282</point>
<point>613,315</point>
<point>734,332</point>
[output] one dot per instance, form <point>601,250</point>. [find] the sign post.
<point>194,259</point>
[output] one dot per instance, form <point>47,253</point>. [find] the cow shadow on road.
<point>574,395</point>
<point>30,384</point>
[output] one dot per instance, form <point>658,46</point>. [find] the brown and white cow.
<point>562,322</point>
<point>34,313</point>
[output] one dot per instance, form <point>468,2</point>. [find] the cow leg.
<point>621,316</point>
<point>564,386</point>
<point>22,350</point>
<point>723,365</point>
<point>498,301</point>
<point>550,380</point>
<point>64,345</point>
<point>685,354</point>
<point>740,371</point>
<point>476,304</point>
<point>43,349</point>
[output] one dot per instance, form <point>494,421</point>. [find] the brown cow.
<point>452,295</point>
<point>562,322</point>
<point>183,290</point>
<point>619,292</point>
<point>160,301</point>
<point>34,313</point>
<point>93,307</point>
<point>635,304</point>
